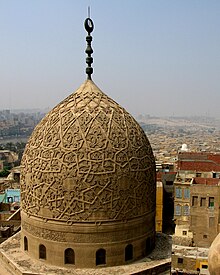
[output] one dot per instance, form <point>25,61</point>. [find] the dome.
<point>88,176</point>
<point>88,160</point>
<point>184,148</point>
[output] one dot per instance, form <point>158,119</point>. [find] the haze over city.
<point>152,57</point>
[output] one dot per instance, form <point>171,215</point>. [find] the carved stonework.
<point>88,160</point>
<point>44,233</point>
<point>104,237</point>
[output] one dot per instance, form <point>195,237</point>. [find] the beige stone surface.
<point>20,262</point>
<point>4,270</point>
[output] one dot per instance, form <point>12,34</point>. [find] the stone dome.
<point>88,160</point>
<point>88,163</point>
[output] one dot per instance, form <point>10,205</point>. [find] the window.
<point>148,246</point>
<point>42,252</point>
<point>178,210</point>
<point>169,182</point>
<point>69,256</point>
<point>16,198</point>
<point>194,200</point>
<point>211,201</point>
<point>10,199</point>
<point>17,177</point>
<point>178,192</point>
<point>205,236</point>
<point>180,260</point>
<point>203,202</point>
<point>185,210</point>
<point>25,244</point>
<point>184,233</point>
<point>186,193</point>
<point>205,266</point>
<point>100,257</point>
<point>198,175</point>
<point>129,252</point>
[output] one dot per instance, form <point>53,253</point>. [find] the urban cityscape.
<point>119,180</point>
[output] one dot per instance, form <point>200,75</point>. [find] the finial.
<point>89,26</point>
<point>89,11</point>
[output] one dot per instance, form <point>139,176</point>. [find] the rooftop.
<point>19,260</point>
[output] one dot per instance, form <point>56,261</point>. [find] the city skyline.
<point>152,57</point>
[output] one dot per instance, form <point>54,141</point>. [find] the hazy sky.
<point>157,57</point>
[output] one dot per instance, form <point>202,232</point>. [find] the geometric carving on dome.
<point>88,160</point>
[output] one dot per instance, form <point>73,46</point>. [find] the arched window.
<point>148,246</point>
<point>186,210</point>
<point>100,256</point>
<point>42,252</point>
<point>69,256</point>
<point>178,210</point>
<point>129,252</point>
<point>178,192</point>
<point>25,243</point>
<point>186,193</point>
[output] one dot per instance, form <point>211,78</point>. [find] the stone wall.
<point>185,241</point>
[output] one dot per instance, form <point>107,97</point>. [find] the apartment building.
<point>196,211</point>
<point>204,214</point>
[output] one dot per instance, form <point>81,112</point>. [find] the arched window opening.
<point>100,256</point>
<point>25,243</point>
<point>186,210</point>
<point>42,252</point>
<point>178,210</point>
<point>128,252</point>
<point>148,246</point>
<point>69,256</point>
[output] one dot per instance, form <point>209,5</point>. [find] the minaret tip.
<point>89,26</point>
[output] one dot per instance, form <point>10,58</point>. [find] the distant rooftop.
<point>201,161</point>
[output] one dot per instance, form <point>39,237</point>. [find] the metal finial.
<point>89,26</point>
<point>89,11</point>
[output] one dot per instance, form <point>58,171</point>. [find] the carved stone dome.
<point>88,160</point>
<point>88,163</point>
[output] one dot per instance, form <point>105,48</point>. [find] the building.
<point>8,158</point>
<point>97,177</point>
<point>12,196</point>
<point>10,221</point>
<point>204,164</point>
<point>191,165</point>
<point>188,260</point>
<point>159,207</point>
<point>166,180</point>
<point>182,207</point>
<point>88,188</point>
<point>196,208</point>
<point>204,211</point>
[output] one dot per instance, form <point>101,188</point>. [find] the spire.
<point>89,26</point>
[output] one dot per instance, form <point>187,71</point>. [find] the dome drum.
<point>86,239</point>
